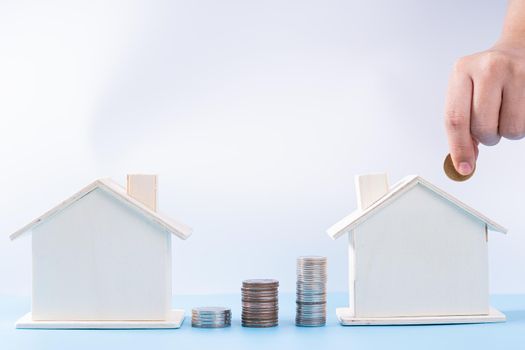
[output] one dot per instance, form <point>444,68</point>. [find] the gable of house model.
<point>102,255</point>
<point>357,217</point>
<point>118,193</point>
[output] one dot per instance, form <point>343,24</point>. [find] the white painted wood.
<point>168,261</point>
<point>351,272</point>
<point>369,188</point>
<point>174,319</point>
<point>177,228</point>
<point>143,188</point>
<point>99,259</point>
<point>398,190</point>
<point>346,318</point>
<point>421,256</point>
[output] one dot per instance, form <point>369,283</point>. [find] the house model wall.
<point>103,257</point>
<point>416,255</point>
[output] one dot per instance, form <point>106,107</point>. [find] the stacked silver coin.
<point>260,303</point>
<point>311,291</point>
<point>211,317</point>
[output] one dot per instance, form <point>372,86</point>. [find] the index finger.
<point>457,122</point>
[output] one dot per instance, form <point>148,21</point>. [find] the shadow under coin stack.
<point>211,317</point>
<point>260,303</point>
<point>311,291</point>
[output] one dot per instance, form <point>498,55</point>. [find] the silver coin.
<point>260,282</point>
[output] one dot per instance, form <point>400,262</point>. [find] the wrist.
<point>510,43</point>
<point>513,33</point>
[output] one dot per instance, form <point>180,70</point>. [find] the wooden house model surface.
<point>417,255</point>
<point>102,259</point>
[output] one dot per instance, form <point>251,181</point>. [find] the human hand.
<point>485,101</point>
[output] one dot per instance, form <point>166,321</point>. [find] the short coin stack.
<point>211,317</point>
<point>260,303</point>
<point>311,291</point>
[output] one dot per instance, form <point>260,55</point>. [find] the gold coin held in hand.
<point>452,173</point>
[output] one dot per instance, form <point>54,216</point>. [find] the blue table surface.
<point>509,335</point>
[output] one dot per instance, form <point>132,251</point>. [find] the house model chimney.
<point>369,188</point>
<point>144,189</point>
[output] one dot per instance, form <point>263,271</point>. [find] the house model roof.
<point>359,216</point>
<point>119,193</point>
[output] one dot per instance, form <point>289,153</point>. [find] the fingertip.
<point>464,157</point>
<point>465,168</point>
<point>464,163</point>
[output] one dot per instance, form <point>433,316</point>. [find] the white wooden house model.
<point>417,255</point>
<point>102,259</point>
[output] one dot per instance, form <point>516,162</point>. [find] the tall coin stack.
<point>211,317</point>
<point>260,303</point>
<point>311,291</point>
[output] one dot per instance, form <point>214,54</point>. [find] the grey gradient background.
<point>256,114</point>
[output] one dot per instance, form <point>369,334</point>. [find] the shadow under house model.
<point>417,255</point>
<point>102,259</point>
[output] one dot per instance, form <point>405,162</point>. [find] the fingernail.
<point>464,168</point>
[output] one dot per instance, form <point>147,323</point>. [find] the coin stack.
<point>260,303</point>
<point>311,291</point>
<point>211,317</point>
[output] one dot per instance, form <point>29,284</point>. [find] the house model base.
<point>174,320</point>
<point>344,315</point>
